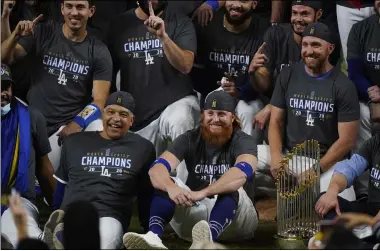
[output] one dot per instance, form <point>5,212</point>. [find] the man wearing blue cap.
<point>312,100</point>
<point>212,204</point>
<point>24,156</point>
<point>109,169</point>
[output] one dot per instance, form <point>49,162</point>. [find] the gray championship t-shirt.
<point>364,44</point>
<point>145,72</point>
<point>314,106</point>
<point>221,51</point>
<point>63,76</point>
<point>108,173</point>
<point>370,150</point>
<point>207,164</point>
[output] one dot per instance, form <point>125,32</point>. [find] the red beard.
<point>216,139</point>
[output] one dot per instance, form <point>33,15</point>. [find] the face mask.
<point>5,110</point>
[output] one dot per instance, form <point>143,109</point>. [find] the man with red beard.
<point>312,100</point>
<point>220,158</point>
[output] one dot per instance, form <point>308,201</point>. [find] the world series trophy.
<point>298,186</point>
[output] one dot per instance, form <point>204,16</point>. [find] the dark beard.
<point>298,33</point>
<point>216,139</point>
<point>239,21</point>
<point>144,5</point>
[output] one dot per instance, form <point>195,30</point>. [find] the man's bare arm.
<point>44,174</point>
<point>261,80</point>
<point>180,59</point>
<point>278,7</point>
<point>276,131</point>
<point>159,174</point>
<point>100,91</point>
<point>347,140</point>
<point>233,179</point>
<point>11,50</point>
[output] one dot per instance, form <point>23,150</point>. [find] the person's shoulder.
<point>35,115</point>
<point>141,141</point>
<point>366,23</point>
<point>279,31</point>
<point>341,80</point>
<point>48,29</point>
<point>240,135</point>
<point>74,138</point>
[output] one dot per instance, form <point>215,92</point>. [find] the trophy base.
<point>291,242</point>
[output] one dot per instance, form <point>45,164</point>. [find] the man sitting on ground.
<point>220,159</point>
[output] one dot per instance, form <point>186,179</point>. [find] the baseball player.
<point>72,71</point>
<point>211,204</point>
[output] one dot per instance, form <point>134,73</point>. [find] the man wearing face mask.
<point>109,169</point>
<point>211,204</point>
<point>312,100</point>
<point>72,72</point>
<point>24,156</point>
<point>153,46</point>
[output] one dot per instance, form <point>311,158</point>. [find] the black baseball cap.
<point>6,77</point>
<point>123,99</point>
<point>310,3</point>
<point>319,30</point>
<point>220,100</point>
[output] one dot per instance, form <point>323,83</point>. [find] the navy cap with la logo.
<point>6,77</point>
<point>123,99</point>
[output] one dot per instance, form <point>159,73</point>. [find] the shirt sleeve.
<point>353,44</point>
<point>186,37</point>
<point>347,102</point>
<point>245,145</point>
<point>352,168</point>
<point>278,96</point>
<point>62,174</point>
<point>269,48</point>
<point>180,147</point>
<point>103,65</point>
<point>41,142</point>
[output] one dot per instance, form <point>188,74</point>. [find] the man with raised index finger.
<point>153,47</point>
<point>72,74</point>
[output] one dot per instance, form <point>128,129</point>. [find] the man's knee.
<point>111,233</point>
<point>177,119</point>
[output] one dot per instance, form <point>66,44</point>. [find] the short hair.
<point>90,2</point>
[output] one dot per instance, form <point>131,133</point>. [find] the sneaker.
<point>201,234</point>
<point>55,218</point>
<point>143,241</point>
<point>58,237</point>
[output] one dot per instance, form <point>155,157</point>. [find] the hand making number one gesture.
<point>155,24</point>
<point>26,28</point>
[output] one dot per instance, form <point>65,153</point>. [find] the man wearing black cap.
<point>153,46</point>
<point>220,159</point>
<point>71,74</point>
<point>24,156</point>
<point>281,48</point>
<point>109,169</point>
<point>312,100</point>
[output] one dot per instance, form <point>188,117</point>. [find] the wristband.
<point>89,114</point>
<point>163,162</point>
<point>246,168</point>
<point>214,4</point>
